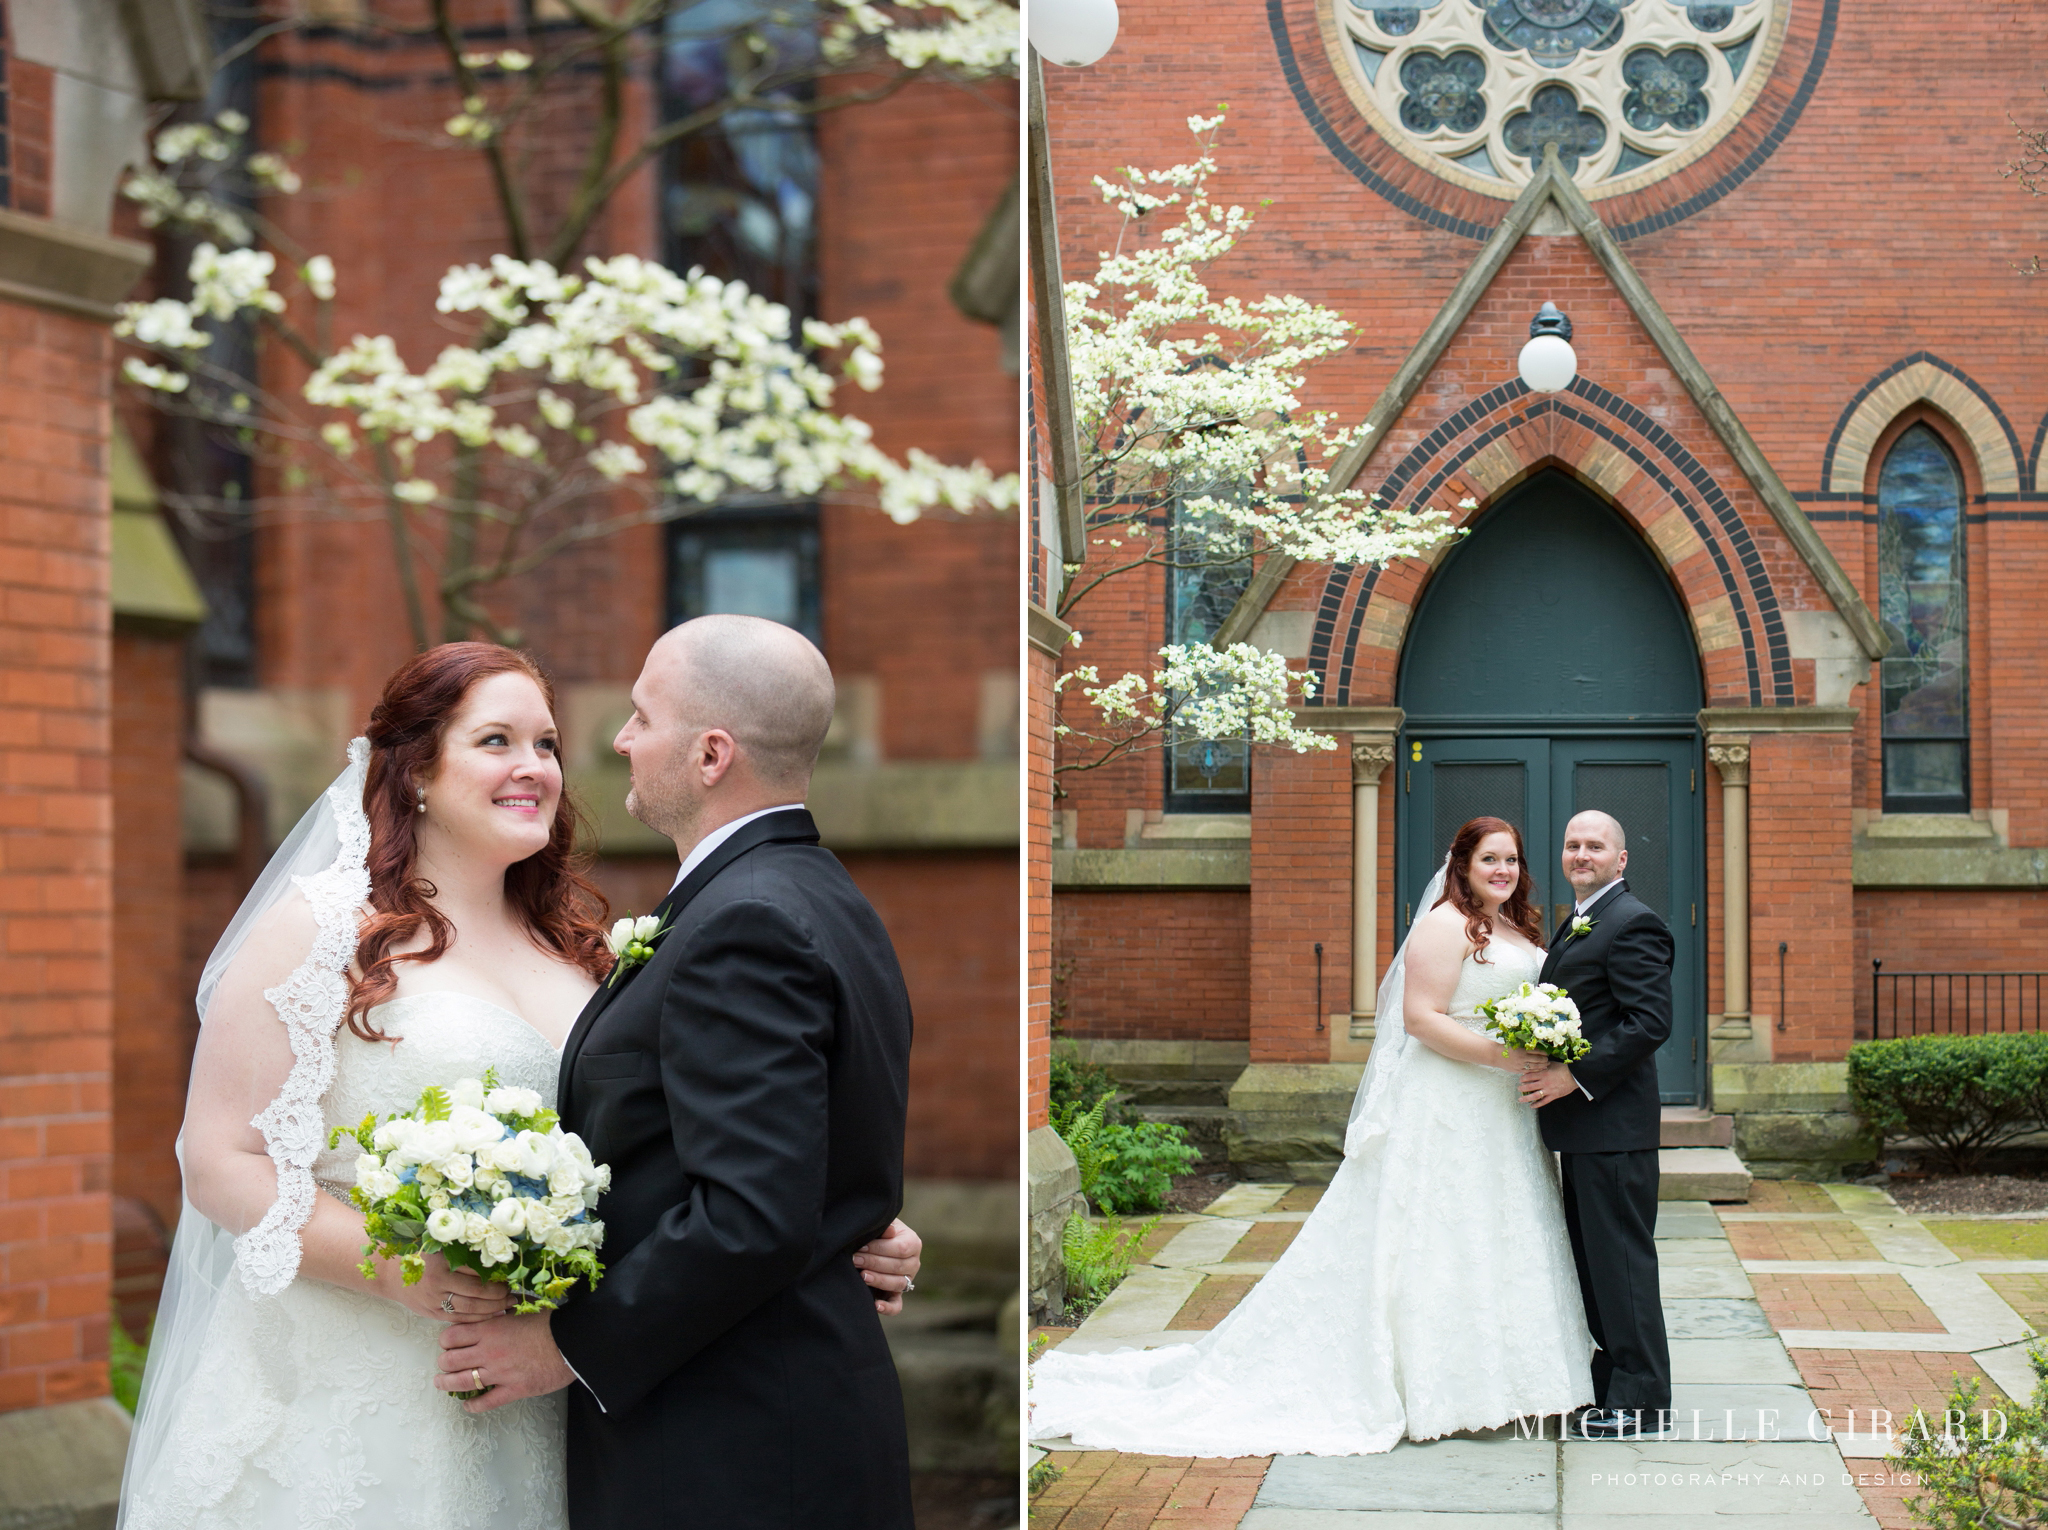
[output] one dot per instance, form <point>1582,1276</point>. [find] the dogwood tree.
<point>581,394</point>
<point>1197,456</point>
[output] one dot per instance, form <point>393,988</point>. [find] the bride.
<point>426,920</point>
<point>1432,1290</point>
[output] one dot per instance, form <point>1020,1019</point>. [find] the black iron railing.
<point>1955,1003</point>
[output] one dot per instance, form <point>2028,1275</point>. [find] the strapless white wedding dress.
<point>316,1407</point>
<point>1431,1291</point>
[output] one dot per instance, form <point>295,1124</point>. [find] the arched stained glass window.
<point>1923,605</point>
<point>1208,567</point>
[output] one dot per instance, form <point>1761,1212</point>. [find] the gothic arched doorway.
<point>1549,668</point>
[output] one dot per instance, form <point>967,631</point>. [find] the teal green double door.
<point>1651,784</point>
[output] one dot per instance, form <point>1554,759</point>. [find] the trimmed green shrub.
<point>1963,1095</point>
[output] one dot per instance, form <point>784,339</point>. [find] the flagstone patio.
<point>1803,1326</point>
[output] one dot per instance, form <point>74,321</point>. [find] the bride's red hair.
<point>548,890</point>
<point>1517,911</point>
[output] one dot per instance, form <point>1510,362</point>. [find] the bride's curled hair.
<point>1517,911</point>
<point>548,890</point>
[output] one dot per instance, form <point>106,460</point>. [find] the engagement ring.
<point>448,1302</point>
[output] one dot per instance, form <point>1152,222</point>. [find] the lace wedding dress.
<point>316,1407</point>
<point>1432,1290</point>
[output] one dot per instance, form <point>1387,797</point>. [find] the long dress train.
<point>1432,1290</point>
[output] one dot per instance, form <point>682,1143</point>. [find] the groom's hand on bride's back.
<point>889,1264</point>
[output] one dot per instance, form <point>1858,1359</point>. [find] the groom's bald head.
<point>765,684</point>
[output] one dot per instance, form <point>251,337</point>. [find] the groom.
<point>1600,1115</point>
<point>747,1087</point>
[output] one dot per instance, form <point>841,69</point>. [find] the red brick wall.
<point>1038,899</point>
<point>953,921</point>
<point>154,1022</point>
<point>1152,966</point>
<point>1301,894</point>
<point>56,901</point>
<point>1925,929</point>
<point>1799,892</point>
<point>29,88</point>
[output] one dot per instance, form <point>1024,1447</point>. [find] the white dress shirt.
<point>701,851</point>
<point>1580,909</point>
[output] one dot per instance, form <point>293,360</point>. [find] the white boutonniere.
<point>1581,926</point>
<point>632,943</point>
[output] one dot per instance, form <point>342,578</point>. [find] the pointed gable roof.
<point>1553,188</point>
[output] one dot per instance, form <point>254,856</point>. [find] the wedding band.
<point>448,1302</point>
<point>476,1382</point>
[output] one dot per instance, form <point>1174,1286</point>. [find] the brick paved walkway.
<point>1824,1302</point>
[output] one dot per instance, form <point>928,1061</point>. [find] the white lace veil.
<point>324,858</point>
<point>1372,1106</point>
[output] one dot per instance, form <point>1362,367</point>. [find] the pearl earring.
<point>423,799</point>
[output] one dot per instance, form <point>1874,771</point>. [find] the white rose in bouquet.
<point>466,1093</point>
<point>513,1102</point>
<point>474,1128</point>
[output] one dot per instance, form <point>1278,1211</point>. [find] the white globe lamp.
<point>1548,363</point>
<point>1072,32</point>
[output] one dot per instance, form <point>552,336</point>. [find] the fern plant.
<point>1098,1256</point>
<point>1082,1131</point>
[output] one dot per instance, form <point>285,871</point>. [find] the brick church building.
<point>180,690</point>
<point>1760,580</point>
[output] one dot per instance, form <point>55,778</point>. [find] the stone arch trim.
<point>1920,377</point>
<point>1475,440</point>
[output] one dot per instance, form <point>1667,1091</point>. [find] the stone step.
<point>1145,1093</point>
<point>1688,1126</point>
<point>1701,1174</point>
<point>1205,1124</point>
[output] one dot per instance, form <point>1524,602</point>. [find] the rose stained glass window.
<point>1628,90</point>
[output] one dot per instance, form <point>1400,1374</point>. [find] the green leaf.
<point>434,1104</point>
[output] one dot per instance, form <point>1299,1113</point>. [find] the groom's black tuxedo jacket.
<point>1619,975</point>
<point>747,1088</point>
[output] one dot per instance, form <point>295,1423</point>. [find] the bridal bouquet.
<point>485,1177</point>
<point>1537,1017</point>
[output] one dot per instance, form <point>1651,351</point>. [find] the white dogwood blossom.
<point>572,402</point>
<point>977,37</point>
<point>1198,692</point>
<point>1199,456</point>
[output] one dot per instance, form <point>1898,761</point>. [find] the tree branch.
<point>493,150</point>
